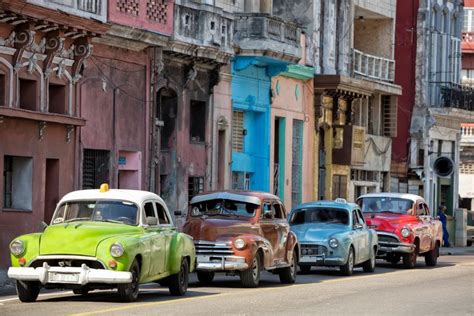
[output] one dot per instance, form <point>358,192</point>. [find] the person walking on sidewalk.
<point>442,217</point>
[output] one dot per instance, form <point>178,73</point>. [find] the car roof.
<point>135,196</point>
<point>325,203</point>
<point>253,197</point>
<point>407,196</point>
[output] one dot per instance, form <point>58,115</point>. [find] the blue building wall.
<point>251,93</point>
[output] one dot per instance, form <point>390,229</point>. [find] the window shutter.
<point>237,131</point>
<point>389,112</point>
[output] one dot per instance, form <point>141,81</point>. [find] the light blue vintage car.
<point>333,233</point>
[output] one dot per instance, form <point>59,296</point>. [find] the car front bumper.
<point>221,263</point>
<point>392,247</point>
<point>321,260</point>
<point>69,275</point>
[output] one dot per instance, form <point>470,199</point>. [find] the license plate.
<point>63,277</point>
<point>203,258</point>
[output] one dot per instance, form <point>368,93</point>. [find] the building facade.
<point>42,59</point>
<point>350,46</point>
<point>439,105</point>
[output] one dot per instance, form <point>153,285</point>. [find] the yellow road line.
<point>246,291</point>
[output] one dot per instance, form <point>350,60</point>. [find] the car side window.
<point>360,217</point>
<point>267,207</point>
<point>354,218</point>
<point>420,209</point>
<point>150,212</point>
<point>427,209</point>
<point>162,215</point>
<point>277,209</point>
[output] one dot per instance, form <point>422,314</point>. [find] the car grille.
<point>67,262</point>
<point>213,248</point>
<point>309,250</point>
<point>385,238</point>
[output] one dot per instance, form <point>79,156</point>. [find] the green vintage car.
<point>104,239</point>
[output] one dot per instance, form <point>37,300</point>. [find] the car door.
<point>283,230</point>
<point>270,229</point>
<point>357,236</point>
<point>423,227</point>
<point>157,260</point>
<point>166,232</point>
<point>365,241</point>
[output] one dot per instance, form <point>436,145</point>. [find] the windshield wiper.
<point>112,221</point>
<point>77,219</point>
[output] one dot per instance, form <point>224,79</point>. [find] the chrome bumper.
<point>221,263</point>
<point>389,247</point>
<point>320,260</point>
<point>69,275</point>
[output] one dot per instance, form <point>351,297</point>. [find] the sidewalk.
<point>456,251</point>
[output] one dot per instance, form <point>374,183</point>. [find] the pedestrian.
<point>442,217</point>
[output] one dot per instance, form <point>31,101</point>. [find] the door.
<point>271,230</point>
<point>357,237</point>
<point>423,227</point>
<point>166,232</point>
<point>283,231</point>
<point>156,240</point>
<point>365,241</point>
<point>51,197</point>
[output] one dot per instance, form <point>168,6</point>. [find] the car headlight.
<point>239,243</point>
<point>405,232</point>
<point>17,247</point>
<point>116,250</point>
<point>333,243</point>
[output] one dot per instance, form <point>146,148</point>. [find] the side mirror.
<point>42,226</point>
<point>358,226</point>
<point>152,221</point>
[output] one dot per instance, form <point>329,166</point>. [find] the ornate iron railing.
<point>457,96</point>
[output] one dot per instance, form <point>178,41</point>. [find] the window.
<point>195,186</point>
<point>297,163</point>
<point>339,186</point>
<point>3,101</point>
<point>240,180</point>
<point>150,214</point>
<point>162,216</point>
<point>27,96</point>
<point>360,217</point>
<point>95,168</point>
<point>197,129</point>
<point>420,210</point>
<point>238,131</point>
<point>57,99</point>
<point>389,116</point>
<point>467,23</point>
<point>266,208</point>
<point>279,213</point>
<point>17,182</point>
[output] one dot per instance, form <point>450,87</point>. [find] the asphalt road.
<point>447,289</point>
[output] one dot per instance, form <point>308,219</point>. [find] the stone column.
<point>460,227</point>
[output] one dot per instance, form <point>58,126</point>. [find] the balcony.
<point>456,96</point>
<point>204,31</point>
<point>373,67</point>
<point>467,134</point>
<point>95,9</point>
<point>258,34</point>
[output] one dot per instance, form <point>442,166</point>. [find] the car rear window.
<point>320,215</point>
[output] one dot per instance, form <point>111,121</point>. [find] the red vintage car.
<point>241,233</point>
<point>404,226</point>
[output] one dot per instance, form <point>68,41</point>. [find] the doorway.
<point>221,151</point>
<point>51,196</point>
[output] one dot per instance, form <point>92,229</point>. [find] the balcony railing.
<point>456,96</point>
<point>281,37</point>
<point>373,67</point>
<point>96,9</point>
<point>467,133</point>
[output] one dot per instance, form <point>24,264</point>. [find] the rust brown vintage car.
<point>241,233</point>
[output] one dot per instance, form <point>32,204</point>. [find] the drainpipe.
<point>210,150</point>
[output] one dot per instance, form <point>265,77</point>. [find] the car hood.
<point>317,231</point>
<point>80,238</point>
<point>212,229</point>
<point>388,222</point>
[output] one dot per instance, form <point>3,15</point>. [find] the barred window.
<point>238,131</point>
<point>95,168</point>
<point>195,186</point>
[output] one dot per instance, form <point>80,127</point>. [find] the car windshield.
<point>224,208</point>
<point>385,204</point>
<point>320,215</point>
<point>121,212</point>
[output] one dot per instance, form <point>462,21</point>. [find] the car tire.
<point>205,277</point>
<point>179,282</point>
<point>81,291</point>
<point>394,260</point>
<point>27,291</point>
<point>251,276</point>
<point>288,274</point>
<point>409,260</point>
<point>348,268</point>
<point>305,269</point>
<point>129,292</point>
<point>431,257</point>
<point>369,265</point>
